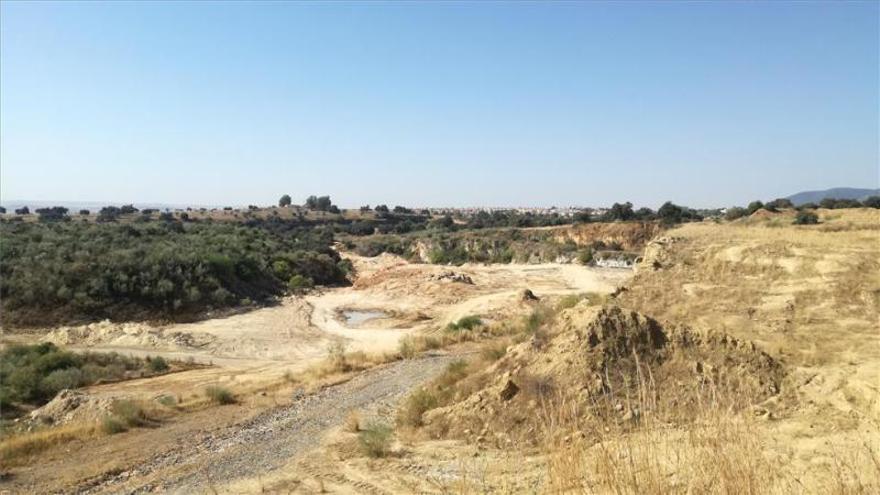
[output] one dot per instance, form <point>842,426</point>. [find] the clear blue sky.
<point>437,103</point>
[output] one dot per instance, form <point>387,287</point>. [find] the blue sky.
<point>447,104</point>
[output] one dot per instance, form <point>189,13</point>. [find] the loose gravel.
<point>271,439</point>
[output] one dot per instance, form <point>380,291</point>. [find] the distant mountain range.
<point>834,193</point>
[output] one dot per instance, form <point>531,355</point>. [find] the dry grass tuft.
<point>352,423</point>
<point>19,449</point>
<point>375,440</point>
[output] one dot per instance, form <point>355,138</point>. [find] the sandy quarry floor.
<point>806,295</point>
<point>263,344</point>
<point>809,296</point>
<point>257,347</point>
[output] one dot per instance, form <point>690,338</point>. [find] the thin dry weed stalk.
<point>607,449</point>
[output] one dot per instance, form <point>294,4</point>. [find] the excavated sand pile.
<point>71,406</point>
<point>610,364</point>
<point>126,335</point>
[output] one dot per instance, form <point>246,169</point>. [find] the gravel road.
<point>271,439</point>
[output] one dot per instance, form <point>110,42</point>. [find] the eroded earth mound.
<point>607,363</point>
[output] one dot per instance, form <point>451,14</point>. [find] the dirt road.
<point>270,440</point>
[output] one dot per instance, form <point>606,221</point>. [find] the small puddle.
<point>354,317</point>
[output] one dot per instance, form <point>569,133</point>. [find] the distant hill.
<point>835,193</point>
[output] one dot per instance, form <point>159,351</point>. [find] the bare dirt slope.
<point>263,344</point>
<point>252,351</point>
<point>255,448</point>
<point>808,297</point>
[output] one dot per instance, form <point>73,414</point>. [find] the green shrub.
<point>33,374</point>
<point>735,212</point>
<point>806,218</point>
<point>112,426</point>
<point>219,395</point>
<point>158,364</point>
<point>61,379</point>
<point>465,323</point>
<point>457,369</point>
<point>299,283</point>
<point>167,400</point>
<point>410,413</point>
<point>585,256</point>
<point>534,321</point>
<point>128,412</point>
<point>375,440</point>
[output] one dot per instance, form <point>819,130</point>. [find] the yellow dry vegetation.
<point>805,298</point>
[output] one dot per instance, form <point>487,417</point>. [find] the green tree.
<point>284,201</point>
<point>779,203</point>
<point>872,202</point>
<point>735,212</point>
<point>670,213</point>
<point>754,206</point>
<point>622,212</point>
<point>805,217</point>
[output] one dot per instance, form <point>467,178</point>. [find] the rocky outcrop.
<point>628,236</point>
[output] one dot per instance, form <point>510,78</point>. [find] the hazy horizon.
<point>267,202</point>
<point>437,104</point>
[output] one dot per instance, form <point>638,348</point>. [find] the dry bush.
<point>352,423</point>
<point>718,451</point>
<point>537,388</point>
<point>112,425</point>
<point>572,300</point>
<point>336,359</point>
<point>130,413</point>
<point>375,440</point>
<point>406,348</point>
<point>339,363</point>
<point>493,351</point>
<point>219,395</point>
<point>419,402</point>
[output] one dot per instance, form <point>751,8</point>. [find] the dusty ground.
<point>255,349</point>
<point>259,346</point>
<point>264,443</point>
<point>809,296</point>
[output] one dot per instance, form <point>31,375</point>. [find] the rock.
<point>451,276</point>
<point>527,295</point>
<point>509,391</point>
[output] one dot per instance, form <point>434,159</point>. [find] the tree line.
<point>64,272</point>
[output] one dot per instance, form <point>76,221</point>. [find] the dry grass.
<point>717,451</point>
<point>339,365</point>
<point>19,449</point>
<point>352,423</point>
<point>219,395</point>
<point>375,439</point>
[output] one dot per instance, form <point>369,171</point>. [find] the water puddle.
<point>354,317</point>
